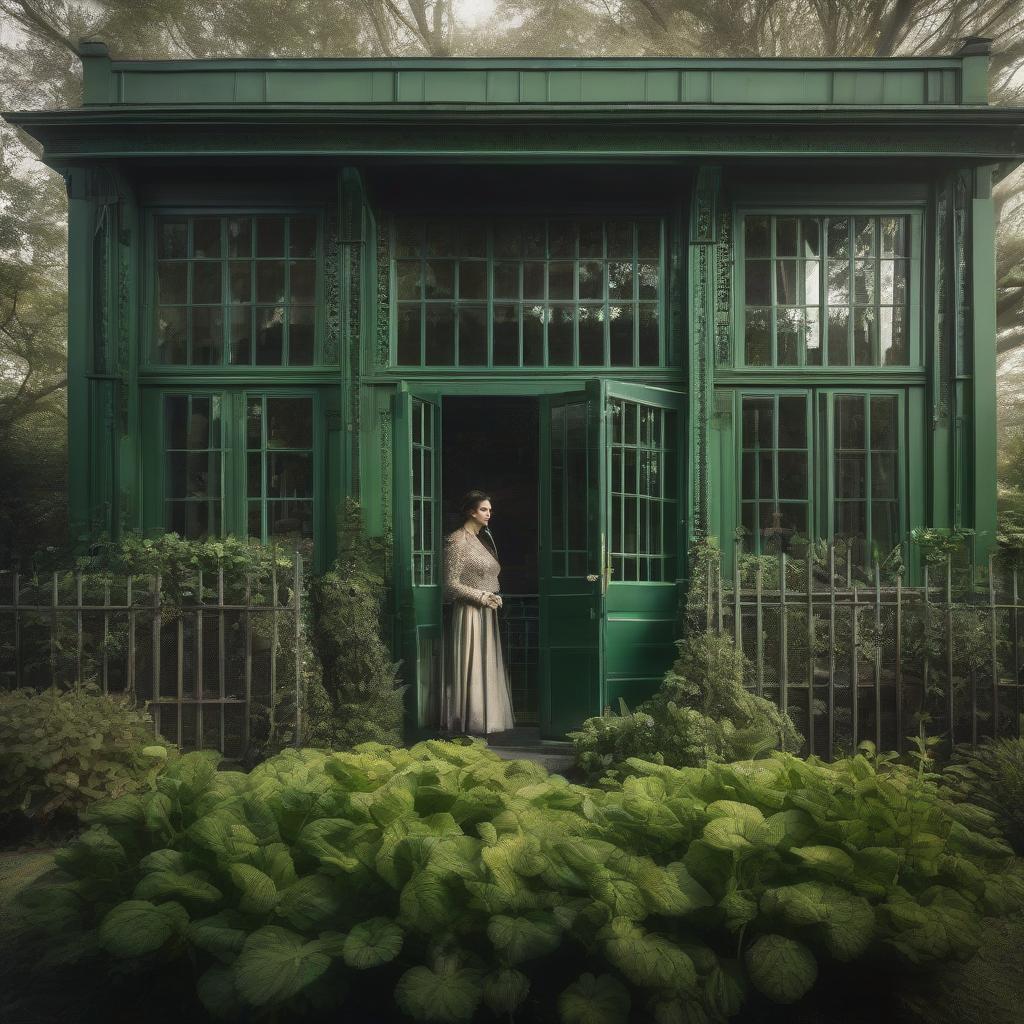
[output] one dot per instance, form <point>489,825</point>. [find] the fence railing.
<point>214,657</point>
<point>852,654</point>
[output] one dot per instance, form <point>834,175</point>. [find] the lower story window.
<point>823,463</point>
<point>238,462</point>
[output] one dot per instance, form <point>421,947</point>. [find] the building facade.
<point>638,301</point>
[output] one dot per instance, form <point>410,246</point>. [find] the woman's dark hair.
<point>471,500</point>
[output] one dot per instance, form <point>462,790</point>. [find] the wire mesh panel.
<point>519,625</point>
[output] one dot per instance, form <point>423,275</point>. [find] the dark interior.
<point>491,444</point>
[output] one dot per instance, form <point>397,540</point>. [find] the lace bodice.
<point>469,568</point>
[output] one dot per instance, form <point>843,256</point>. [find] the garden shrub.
<point>702,712</point>
<point>360,699</point>
<point>991,775</point>
<point>471,886</point>
<point>62,750</point>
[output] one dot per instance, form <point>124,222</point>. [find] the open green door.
<point>611,537</point>
<point>572,559</point>
<point>419,575</point>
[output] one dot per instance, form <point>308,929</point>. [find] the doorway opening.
<point>491,443</point>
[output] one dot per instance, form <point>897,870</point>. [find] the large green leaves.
<point>275,964</point>
<point>522,938</point>
<point>594,1000</point>
<point>137,927</point>
<point>449,994</point>
<point>648,960</point>
<point>847,920</point>
<point>782,969</point>
<point>372,943</point>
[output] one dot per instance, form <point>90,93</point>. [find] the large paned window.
<point>238,461</point>
<point>823,463</point>
<point>643,491</point>
<point>235,290</point>
<point>537,293</point>
<point>827,290</point>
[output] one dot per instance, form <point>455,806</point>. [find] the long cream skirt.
<point>475,697</point>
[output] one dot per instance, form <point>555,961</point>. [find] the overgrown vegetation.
<point>701,713</point>
<point>991,775</point>
<point>458,881</point>
<point>60,751</point>
<point>360,699</point>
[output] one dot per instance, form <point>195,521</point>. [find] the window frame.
<point>666,345</point>
<point>150,304</point>
<point>822,449</point>
<point>914,210</point>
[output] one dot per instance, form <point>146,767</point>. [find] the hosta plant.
<point>475,888</point>
<point>992,776</point>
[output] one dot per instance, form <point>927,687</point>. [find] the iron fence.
<point>214,657</point>
<point>852,654</point>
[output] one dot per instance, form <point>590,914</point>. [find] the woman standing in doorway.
<point>475,697</point>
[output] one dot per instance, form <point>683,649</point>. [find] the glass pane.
<point>172,283</point>
<point>851,519</point>
<point>170,335</point>
<point>254,422</point>
<point>893,283</point>
<point>864,281</point>
<point>810,237</point>
<point>302,281</point>
<point>838,238</point>
<point>793,516</point>
<point>864,337</point>
<point>533,280</point>
<point>895,350</point>
<point>883,423</point>
<point>758,431</point>
<point>839,335</point>
<point>620,240</point>
<point>254,475</point>
<point>786,282</point>
<point>239,234</point>
<point>591,280</point>
<point>560,336</point>
<point>885,530</point>
<point>621,331</point>
<point>289,422</point>
<point>256,519</point>
<point>289,518</point>
<point>241,335</point>
<point>812,336</point>
<point>473,280</point>
<point>792,475</point>
<point>883,475</point>
<point>533,336</point>
<point>176,422</point>
<point>648,239</point>
<point>851,476</point>
<point>810,291</point>
<point>270,236</point>
<point>864,236</point>
<point>440,280</point>
<point>785,236</point>
<point>758,336</point>
<point>440,336</point>
<point>473,336</point>
<point>756,236</point>
<point>757,282</point>
<point>647,280</point>
<point>749,474</point>
<point>409,237</point>
<point>561,239</point>
<point>650,335</point>
<point>849,412</point>
<point>894,236</point>
<point>270,281</point>
<point>789,335</point>
<point>302,237</point>
<point>240,281</point>
<point>206,237</point>
<point>301,331</point>
<point>206,282</point>
<point>193,475</point>
<point>289,476</point>
<point>620,280</point>
<point>172,237</point>
<point>506,280</point>
<point>560,280</point>
<point>207,336</point>
<point>508,239</point>
<point>407,277</point>
<point>269,335</point>
<point>838,281</point>
<point>440,238</point>
<point>591,327</point>
<point>534,235</point>
<point>792,421</point>
<point>409,335</point>
<point>506,335</point>
<point>591,239</point>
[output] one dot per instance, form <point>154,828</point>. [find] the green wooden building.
<point>636,300</point>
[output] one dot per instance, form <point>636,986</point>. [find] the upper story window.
<point>236,290</point>
<point>536,293</point>
<point>827,290</point>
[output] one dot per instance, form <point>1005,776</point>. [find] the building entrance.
<point>492,444</point>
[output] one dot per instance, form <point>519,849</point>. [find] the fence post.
<point>106,635</point>
<point>855,637</point>
<point>1015,636</point>
<point>199,654</point>
<point>899,658</point>
<point>950,700</point>
<point>157,583</point>
<point>737,615</point>
<point>130,601</point>
<point>220,655</point>
<point>17,629</point>
<point>783,637</point>
<point>246,717</point>
<point>878,656</point>
<point>78,627</point>
<point>995,655</point>
<point>54,625</point>
<point>831,647</point>
<point>811,661</point>
<point>274,638</point>
<point>759,626</point>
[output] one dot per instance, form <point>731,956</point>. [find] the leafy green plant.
<point>459,881</point>
<point>702,712</point>
<point>360,699</point>
<point>991,775</point>
<point>60,751</point>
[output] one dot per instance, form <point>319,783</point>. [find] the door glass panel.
<point>422,493</point>
<point>570,485</point>
<point>193,446</point>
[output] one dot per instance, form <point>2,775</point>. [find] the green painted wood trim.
<point>982,282</point>
<point>974,78</point>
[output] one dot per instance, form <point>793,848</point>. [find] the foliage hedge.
<point>62,750</point>
<point>701,712</point>
<point>992,776</point>
<point>471,886</point>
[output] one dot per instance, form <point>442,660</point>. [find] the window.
<point>235,290</point>
<point>235,461</point>
<point>193,484</point>
<point>528,293</point>
<point>827,290</point>
<point>852,471</point>
<point>279,467</point>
